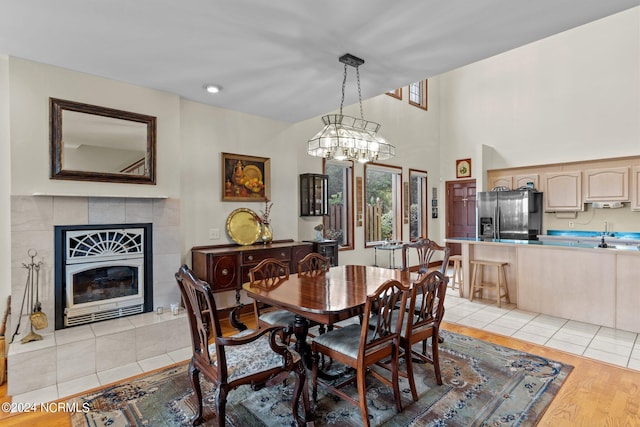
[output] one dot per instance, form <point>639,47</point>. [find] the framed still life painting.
<point>245,178</point>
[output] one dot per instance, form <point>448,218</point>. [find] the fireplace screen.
<point>104,273</point>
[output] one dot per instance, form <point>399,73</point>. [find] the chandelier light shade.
<point>349,138</point>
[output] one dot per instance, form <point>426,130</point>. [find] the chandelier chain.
<point>344,82</point>
<point>359,93</point>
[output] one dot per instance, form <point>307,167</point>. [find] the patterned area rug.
<point>484,385</point>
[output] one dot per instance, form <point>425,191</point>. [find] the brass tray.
<point>243,226</point>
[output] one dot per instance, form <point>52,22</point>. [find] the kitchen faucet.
<point>602,243</point>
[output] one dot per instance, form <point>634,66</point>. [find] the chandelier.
<point>350,138</point>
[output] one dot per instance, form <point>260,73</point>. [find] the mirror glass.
<point>95,143</point>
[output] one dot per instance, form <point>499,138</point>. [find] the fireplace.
<point>102,272</point>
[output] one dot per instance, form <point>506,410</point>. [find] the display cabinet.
<point>326,248</point>
<point>314,194</point>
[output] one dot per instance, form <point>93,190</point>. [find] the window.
<point>338,224</point>
<point>418,94</point>
<point>418,204</point>
<point>383,216</point>
<point>396,93</point>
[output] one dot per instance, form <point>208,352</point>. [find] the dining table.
<point>325,297</point>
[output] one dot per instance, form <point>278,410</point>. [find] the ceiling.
<point>279,58</point>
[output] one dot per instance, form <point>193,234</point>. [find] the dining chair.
<point>360,346</point>
<point>313,264</point>
<point>256,357</point>
<point>421,322</point>
<point>425,250</point>
<point>268,274</point>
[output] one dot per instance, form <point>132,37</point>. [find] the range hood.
<point>607,205</point>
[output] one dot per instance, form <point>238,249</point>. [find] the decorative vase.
<point>267,233</point>
<point>319,236</point>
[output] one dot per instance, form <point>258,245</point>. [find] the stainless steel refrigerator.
<point>515,214</point>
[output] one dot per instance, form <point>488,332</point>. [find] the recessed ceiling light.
<point>212,88</point>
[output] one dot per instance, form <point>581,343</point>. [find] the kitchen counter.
<point>612,244</point>
<point>589,237</point>
<point>565,278</point>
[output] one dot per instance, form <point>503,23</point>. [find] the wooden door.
<point>461,211</point>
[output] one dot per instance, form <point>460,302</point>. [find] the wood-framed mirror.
<point>92,143</point>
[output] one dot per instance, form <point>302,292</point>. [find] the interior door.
<point>461,211</point>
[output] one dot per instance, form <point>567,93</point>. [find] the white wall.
<point>5,184</point>
<point>32,84</point>
<point>573,96</point>
<point>206,133</point>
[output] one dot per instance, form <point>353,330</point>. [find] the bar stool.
<point>478,285</point>
<point>456,276</point>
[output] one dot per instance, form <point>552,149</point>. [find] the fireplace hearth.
<point>102,272</point>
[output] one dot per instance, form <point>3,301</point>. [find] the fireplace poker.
<point>37,318</point>
<point>24,298</point>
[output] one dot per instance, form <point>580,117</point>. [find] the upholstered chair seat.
<point>251,358</point>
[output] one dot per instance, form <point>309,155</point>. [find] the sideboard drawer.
<point>254,257</point>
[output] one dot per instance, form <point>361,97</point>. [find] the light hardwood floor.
<point>595,393</point>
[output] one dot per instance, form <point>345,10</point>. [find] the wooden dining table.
<point>327,297</point>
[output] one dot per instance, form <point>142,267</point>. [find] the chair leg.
<point>408,360</point>
<point>314,384</point>
<point>472,289</point>
<point>504,283</point>
<point>362,394</point>
<point>395,376</point>
<point>435,358</point>
<point>221,405</point>
<point>194,375</point>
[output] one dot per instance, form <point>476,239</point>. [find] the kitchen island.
<point>568,279</point>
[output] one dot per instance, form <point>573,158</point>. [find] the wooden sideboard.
<point>226,267</point>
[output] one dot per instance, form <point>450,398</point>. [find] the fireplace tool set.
<point>37,318</point>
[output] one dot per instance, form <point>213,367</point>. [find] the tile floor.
<point>101,378</point>
<point>610,345</point>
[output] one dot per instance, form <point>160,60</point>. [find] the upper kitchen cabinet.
<point>635,192</point>
<point>500,181</point>
<point>527,180</point>
<point>563,191</point>
<point>512,181</point>
<point>611,184</point>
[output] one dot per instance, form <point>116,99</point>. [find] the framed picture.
<point>245,178</point>
<point>463,168</point>
<point>434,203</point>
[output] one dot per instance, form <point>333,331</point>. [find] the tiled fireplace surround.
<point>69,360</point>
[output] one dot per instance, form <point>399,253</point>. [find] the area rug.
<point>484,385</point>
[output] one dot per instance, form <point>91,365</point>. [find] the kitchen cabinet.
<point>563,191</point>
<point>610,184</point>
<point>512,182</point>
<point>226,267</point>
<point>635,192</point>
<point>500,181</point>
<point>524,180</point>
